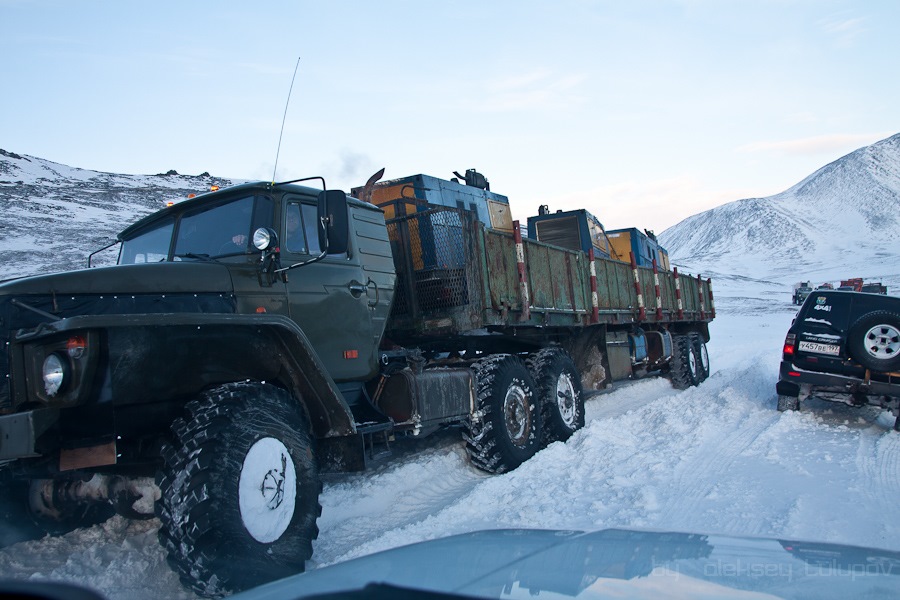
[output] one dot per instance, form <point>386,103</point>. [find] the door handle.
<point>356,288</point>
<point>372,303</point>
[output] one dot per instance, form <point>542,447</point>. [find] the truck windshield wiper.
<point>206,257</point>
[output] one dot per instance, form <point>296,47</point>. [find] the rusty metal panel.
<point>603,270</point>
<point>541,280</point>
<point>689,293</point>
<point>580,277</point>
<point>84,458</point>
<point>559,280</point>
<point>667,291</point>
<point>502,279</point>
<point>623,293</point>
<point>648,290</point>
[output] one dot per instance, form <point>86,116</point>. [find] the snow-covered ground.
<point>714,459</point>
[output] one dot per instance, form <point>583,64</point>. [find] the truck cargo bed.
<point>456,276</point>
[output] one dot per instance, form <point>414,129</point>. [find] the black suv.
<point>843,347</point>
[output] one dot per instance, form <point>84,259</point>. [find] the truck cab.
<point>310,283</point>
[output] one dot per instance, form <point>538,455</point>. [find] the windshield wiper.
<point>205,257</point>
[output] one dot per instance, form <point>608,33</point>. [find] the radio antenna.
<point>283,119</point>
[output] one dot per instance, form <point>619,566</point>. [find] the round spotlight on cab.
<point>264,238</point>
<point>55,373</point>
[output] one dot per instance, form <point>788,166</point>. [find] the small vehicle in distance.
<point>873,288</point>
<point>854,283</point>
<point>802,289</point>
<point>843,347</point>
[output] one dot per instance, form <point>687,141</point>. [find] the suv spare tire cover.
<point>874,341</point>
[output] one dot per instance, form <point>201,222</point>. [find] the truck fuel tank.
<point>420,401</point>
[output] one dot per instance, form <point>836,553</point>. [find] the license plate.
<point>818,348</point>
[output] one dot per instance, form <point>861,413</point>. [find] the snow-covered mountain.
<point>844,215</point>
<point>54,215</point>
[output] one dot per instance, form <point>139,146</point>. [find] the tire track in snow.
<point>699,471</point>
<point>878,461</point>
<point>624,397</point>
<point>358,508</point>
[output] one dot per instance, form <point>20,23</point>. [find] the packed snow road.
<point>717,458</point>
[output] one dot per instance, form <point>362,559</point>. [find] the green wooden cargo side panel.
<point>667,291</point>
<point>689,294</point>
<point>502,274</point>
<point>556,278</point>
<point>454,275</point>
<point>610,293</point>
<point>543,285</point>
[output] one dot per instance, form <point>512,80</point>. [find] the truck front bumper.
<point>19,432</point>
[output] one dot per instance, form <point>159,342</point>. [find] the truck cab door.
<point>332,299</point>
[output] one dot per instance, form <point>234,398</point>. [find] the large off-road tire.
<point>239,489</point>
<point>788,403</point>
<point>702,357</point>
<point>874,341</point>
<point>684,370</point>
<point>506,428</point>
<point>558,389</point>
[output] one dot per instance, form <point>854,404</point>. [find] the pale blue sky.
<point>644,112</point>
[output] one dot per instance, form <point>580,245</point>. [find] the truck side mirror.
<point>333,209</point>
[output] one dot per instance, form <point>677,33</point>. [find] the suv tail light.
<point>789,346</point>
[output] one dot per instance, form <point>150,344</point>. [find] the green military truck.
<point>252,338</point>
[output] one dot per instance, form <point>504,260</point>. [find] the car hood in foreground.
<point>608,563</point>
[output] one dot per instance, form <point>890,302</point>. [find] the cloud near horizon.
<point>821,144</point>
<point>663,202</point>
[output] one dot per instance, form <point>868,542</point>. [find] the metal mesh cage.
<point>432,249</point>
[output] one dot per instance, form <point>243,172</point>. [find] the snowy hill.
<point>55,215</point>
<point>842,221</point>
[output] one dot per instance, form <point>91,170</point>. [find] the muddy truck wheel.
<point>558,388</point>
<point>506,429</point>
<point>684,370</point>
<point>239,490</point>
<point>702,357</point>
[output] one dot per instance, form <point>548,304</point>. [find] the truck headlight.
<point>264,239</point>
<point>55,373</point>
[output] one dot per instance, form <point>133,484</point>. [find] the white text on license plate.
<point>818,348</point>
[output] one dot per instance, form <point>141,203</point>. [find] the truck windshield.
<point>215,231</point>
<point>151,246</point>
<point>202,234</point>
